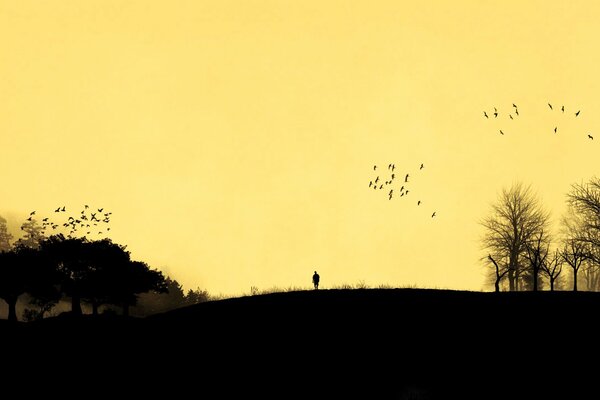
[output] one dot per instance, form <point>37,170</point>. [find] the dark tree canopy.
<point>18,274</point>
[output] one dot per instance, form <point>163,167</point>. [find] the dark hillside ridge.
<point>358,343</point>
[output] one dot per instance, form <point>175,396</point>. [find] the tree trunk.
<point>574,279</point>
<point>76,304</point>
<point>12,308</point>
<point>511,279</point>
<point>535,279</point>
<point>497,284</point>
<point>551,284</point>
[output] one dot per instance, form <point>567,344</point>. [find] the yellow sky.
<point>234,140</point>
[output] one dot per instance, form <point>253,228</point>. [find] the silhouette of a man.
<point>316,278</point>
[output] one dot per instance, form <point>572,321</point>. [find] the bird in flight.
<point>590,136</point>
<point>517,111</point>
<point>550,105</point>
<point>562,108</point>
<point>370,183</point>
<point>514,105</point>
<point>485,114</point>
<point>31,213</point>
<point>495,113</point>
<point>577,113</point>
<point>433,215</point>
<point>419,202</point>
<point>406,178</point>
<point>422,166</point>
<point>510,115</point>
<point>374,167</point>
<point>62,209</point>
<point>502,133</point>
<point>390,194</point>
<point>555,128</point>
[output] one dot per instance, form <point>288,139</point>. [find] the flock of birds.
<point>89,221</point>
<point>389,184</point>
<point>514,114</point>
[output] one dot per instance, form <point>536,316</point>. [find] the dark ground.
<point>360,343</point>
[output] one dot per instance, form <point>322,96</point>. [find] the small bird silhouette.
<point>502,133</point>
<point>562,108</point>
<point>63,209</point>
<point>510,115</point>
<point>419,202</point>
<point>577,113</point>
<point>376,179</point>
<point>57,210</point>
<point>433,215</point>
<point>390,194</point>
<point>485,114</point>
<point>517,111</point>
<point>590,136</point>
<point>514,105</point>
<point>406,178</point>
<point>550,105</point>
<point>31,213</point>
<point>370,183</point>
<point>555,128</point>
<point>374,167</point>
<point>422,166</point>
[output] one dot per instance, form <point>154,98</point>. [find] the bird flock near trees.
<point>513,113</point>
<point>89,221</point>
<point>394,186</point>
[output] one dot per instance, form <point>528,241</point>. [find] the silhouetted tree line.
<point>153,302</point>
<point>523,253</point>
<point>97,272</point>
<point>45,272</point>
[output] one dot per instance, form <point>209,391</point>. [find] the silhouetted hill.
<point>359,343</point>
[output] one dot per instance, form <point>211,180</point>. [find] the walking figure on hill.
<point>316,280</point>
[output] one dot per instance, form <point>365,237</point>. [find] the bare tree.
<point>536,253</point>
<point>591,275</point>
<point>515,219</point>
<point>574,253</point>
<point>500,272</point>
<point>584,217</point>
<point>578,236</point>
<point>552,267</point>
